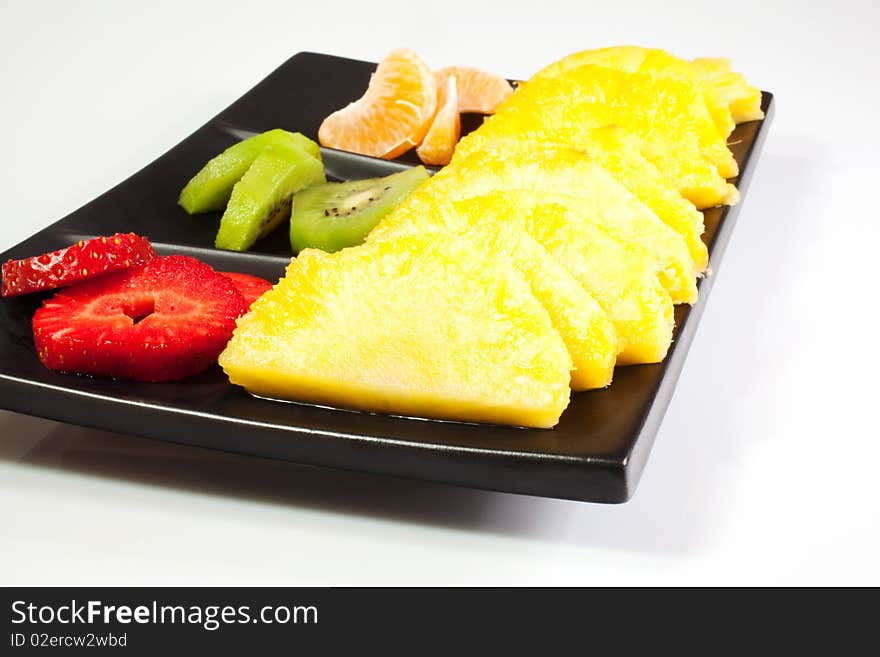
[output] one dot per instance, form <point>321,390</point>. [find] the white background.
<point>765,470</point>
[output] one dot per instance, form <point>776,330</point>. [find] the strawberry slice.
<point>81,261</point>
<point>251,287</point>
<point>167,319</point>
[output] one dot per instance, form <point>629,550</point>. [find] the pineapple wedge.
<point>587,331</point>
<point>743,99</point>
<point>662,63</point>
<point>407,327</point>
<point>667,115</point>
<point>622,279</point>
<point>611,148</point>
<point>602,201</point>
<point>635,59</point>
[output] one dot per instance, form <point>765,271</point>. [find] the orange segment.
<point>478,91</point>
<point>439,143</point>
<point>392,116</point>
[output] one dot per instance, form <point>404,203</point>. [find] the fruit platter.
<point>439,275</point>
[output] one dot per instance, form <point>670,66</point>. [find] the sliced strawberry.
<point>167,319</point>
<point>251,287</point>
<point>79,262</point>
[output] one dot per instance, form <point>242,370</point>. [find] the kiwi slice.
<point>260,201</point>
<point>211,187</point>
<point>333,216</point>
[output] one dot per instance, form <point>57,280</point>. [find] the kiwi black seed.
<point>333,216</point>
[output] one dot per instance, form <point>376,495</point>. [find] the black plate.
<point>596,453</point>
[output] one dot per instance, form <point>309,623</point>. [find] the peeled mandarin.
<point>478,91</point>
<point>438,145</point>
<point>392,116</point>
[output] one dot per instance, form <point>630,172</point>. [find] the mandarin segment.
<point>392,116</point>
<point>441,138</point>
<point>478,91</point>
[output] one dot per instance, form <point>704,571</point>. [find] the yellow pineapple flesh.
<point>635,59</point>
<point>743,99</point>
<point>667,115</point>
<point>612,148</point>
<point>660,62</point>
<point>622,278</point>
<point>602,201</point>
<point>404,327</point>
<point>587,331</point>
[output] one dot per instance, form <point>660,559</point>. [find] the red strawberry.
<point>83,260</point>
<point>251,287</point>
<point>165,320</point>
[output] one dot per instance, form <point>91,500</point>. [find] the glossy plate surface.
<point>596,453</point>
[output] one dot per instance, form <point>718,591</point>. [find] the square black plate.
<point>596,453</point>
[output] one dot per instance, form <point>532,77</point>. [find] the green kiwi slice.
<point>333,216</point>
<point>260,201</point>
<point>211,187</point>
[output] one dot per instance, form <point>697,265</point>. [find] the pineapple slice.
<point>405,327</point>
<point>660,62</point>
<point>743,99</point>
<point>623,279</point>
<point>586,329</point>
<point>668,115</point>
<point>635,59</point>
<point>611,148</point>
<point>723,88</point>
<point>602,201</point>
